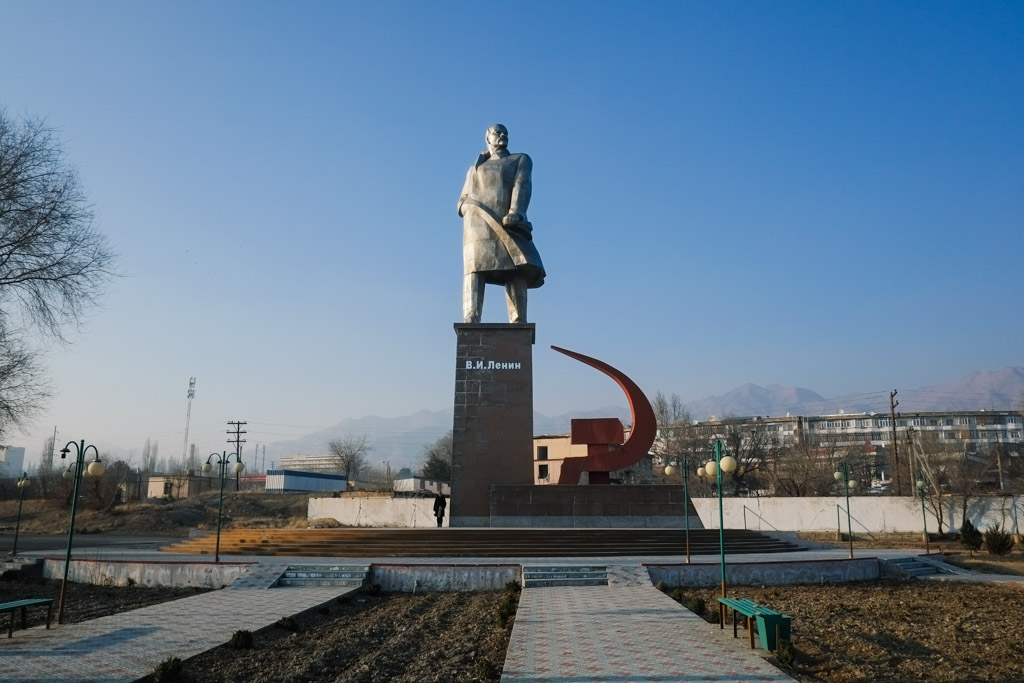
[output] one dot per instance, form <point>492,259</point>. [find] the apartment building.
<point>976,431</point>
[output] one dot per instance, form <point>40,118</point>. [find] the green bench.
<point>772,626</point>
<point>22,605</point>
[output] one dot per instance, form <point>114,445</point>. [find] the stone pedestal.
<point>492,437</point>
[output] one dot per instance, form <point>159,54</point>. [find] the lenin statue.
<point>497,240</point>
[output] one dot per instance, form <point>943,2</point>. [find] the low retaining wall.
<point>412,578</point>
<point>117,572</point>
<point>377,511</point>
<point>659,506</point>
<point>765,573</point>
<point>633,506</point>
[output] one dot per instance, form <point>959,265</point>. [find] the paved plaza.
<point>626,631</point>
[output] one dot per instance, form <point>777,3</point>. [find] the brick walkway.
<point>129,645</point>
<point>626,631</point>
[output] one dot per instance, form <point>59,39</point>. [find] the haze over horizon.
<point>811,195</point>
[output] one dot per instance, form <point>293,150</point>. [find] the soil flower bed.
<point>896,630</point>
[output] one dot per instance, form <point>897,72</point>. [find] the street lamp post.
<point>843,473</point>
<point>222,460</point>
<point>924,517</point>
<point>720,463</point>
<point>23,483</point>
<point>75,471</point>
<point>684,473</point>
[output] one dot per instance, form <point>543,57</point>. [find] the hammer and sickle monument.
<point>492,434</point>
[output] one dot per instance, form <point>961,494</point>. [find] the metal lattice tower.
<point>188,416</point>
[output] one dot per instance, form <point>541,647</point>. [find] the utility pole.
<point>914,452</point>
<point>188,416</point>
<point>238,441</point>
<point>999,468</point>
<point>895,446</point>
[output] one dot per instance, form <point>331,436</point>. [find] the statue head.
<point>496,137</point>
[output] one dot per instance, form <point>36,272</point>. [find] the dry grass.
<point>1012,564</point>
<point>910,541</point>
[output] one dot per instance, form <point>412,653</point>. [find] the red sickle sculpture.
<point>635,448</point>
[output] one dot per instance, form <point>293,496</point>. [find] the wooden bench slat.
<point>6,606</point>
<point>21,605</point>
<point>771,624</point>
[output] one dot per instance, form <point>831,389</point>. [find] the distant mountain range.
<point>992,390</point>
<point>401,440</point>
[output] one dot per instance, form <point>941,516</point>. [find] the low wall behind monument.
<point>874,514</point>
<point>869,514</point>
<point>375,511</point>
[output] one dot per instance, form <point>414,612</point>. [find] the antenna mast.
<point>188,416</point>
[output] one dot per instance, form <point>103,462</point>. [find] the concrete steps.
<point>565,575</point>
<point>324,575</point>
<point>25,565</point>
<point>909,566</point>
<point>494,542</point>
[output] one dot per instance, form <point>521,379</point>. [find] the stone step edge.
<point>329,567</point>
<point>552,583</point>
<point>319,582</point>
<point>565,568</point>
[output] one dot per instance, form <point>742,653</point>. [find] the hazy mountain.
<point>987,390</point>
<point>984,390</point>
<point>400,440</point>
<point>773,400</point>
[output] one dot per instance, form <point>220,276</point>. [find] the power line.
<point>238,441</point>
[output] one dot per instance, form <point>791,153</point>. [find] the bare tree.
<point>350,454</point>
<point>675,435</point>
<point>23,390</point>
<point>803,469</point>
<point>437,459</point>
<point>753,446</point>
<point>53,261</point>
<point>149,453</point>
<point>192,461</point>
<point>46,456</point>
<point>949,470</point>
<point>807,468</point>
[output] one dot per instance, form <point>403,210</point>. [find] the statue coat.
<point>502,186</point>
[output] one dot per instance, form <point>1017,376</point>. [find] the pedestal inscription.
<point>492,437</point>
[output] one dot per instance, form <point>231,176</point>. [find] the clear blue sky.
<point>820,194</point>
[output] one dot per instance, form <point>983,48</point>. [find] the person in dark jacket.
<point>440,503</point>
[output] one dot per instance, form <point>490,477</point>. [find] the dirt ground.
<point>359,638</point>
<point>162,517</point>
<point>85,601</point>
<point>897,630</point>
<point>396,638</point>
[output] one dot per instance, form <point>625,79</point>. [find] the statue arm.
<point>466,188</point>
<point>522,187</point>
